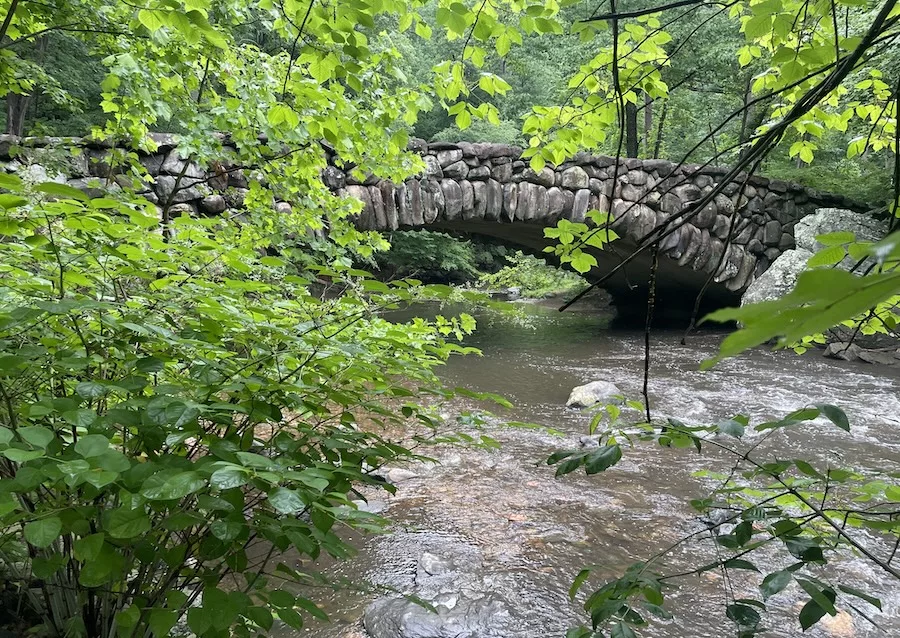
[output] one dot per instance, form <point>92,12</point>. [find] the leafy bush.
<point>534,277</point>
<point>481,131</point>
<point>428,256</point>
<point>178,411</point>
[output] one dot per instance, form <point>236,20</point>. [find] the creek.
<point>498,523</point>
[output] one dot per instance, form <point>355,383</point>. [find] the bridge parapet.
<point>752,220</point>
<point>489,189</point>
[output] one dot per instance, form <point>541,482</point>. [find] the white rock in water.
<point>584,396</point>
<point>398,475</point>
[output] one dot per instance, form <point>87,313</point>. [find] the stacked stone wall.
<point>752,218</point>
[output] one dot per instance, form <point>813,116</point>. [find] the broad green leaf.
<point>61,190</point>
<point>775,582</point>
<point>286,501</point>
<point>92,445</point>
<point>165,486</point>
<point>37,436</point>
<point>42,532</point>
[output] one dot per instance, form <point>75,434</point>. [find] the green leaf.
<point>824,598</point>
<point>827,257</point>
<point>127,523</point>
<point>602,459</point>
<point>835,238</point>
<point>835,415</point>
<point>860,594</point>
<point>578,582</point>
<point>61,190</point>
<point>810,614</point>
<point>228,478</point>
<point>621,630</point>
<point>129,617</point>
<point>261,616</point>
<point>731,428</point>
<point>42,532</point>
<point>311,608</point>
<point>91,390</point>
<point>161,621</point>
<point>739,563</point>
<point>92,445</point>
<point>150,19</point>
<point>743,615</point>
<point>21,456</point>
<point>285,501</point>
<point>89,547</point>
<point>165,486</point>
<point>37,436</point>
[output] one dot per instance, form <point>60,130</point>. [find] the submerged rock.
<point>584,396</point>
<point>401,618</point>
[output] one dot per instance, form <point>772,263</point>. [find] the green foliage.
<point>429,256</point>
<point>533,277</point>
<point>823,298</point>
<point>575,238</point>
<point>479,131</point>
<point>172,406</point>
<point>808,513</point>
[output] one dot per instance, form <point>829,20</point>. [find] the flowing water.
<point>514,531</point>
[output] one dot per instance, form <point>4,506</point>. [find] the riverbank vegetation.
<point>177,394</point>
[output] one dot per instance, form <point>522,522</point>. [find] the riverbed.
<point>498,524</point>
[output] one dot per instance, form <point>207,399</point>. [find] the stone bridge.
<point>487,189</point>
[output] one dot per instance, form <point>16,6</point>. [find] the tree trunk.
<point>648,124</point>
<point>17,104</point>
<point>659,128</point>
<point>632,143</point>
<point>16,107</point>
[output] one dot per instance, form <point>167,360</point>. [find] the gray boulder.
<point>779,279</point>
<point>584,396</point>
<point>829,220</point>
<point>487,617</point>
<point>781,276</point>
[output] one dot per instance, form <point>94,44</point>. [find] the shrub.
<point>178,411</point>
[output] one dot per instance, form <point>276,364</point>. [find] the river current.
<point>513,530</point>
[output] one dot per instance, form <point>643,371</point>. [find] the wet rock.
<point>479,173</point>
<point>453,202</point>
<point>580,205</point>
<point>448,157</point>
<point>434,565</point>
<point>399,475</point>
<point>432,167</point>
<point>166,187</point>
<point>402,618</point>
<point>772,233</point>
<point>457,170</point>
<point>334,178</point>
<point>584,396</point>
<point>879,357</point>
<point>546,177</point>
